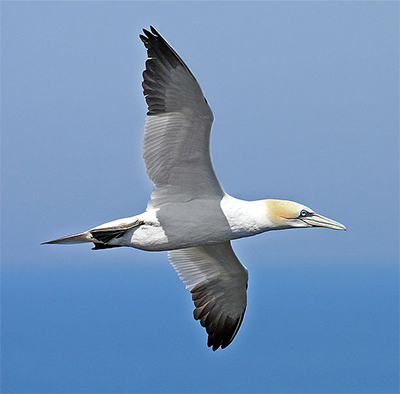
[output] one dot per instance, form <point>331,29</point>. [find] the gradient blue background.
<point>305,97</point>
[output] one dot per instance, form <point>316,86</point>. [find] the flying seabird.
<point>189,214</point>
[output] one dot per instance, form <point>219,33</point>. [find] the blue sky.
<point>306,105</point>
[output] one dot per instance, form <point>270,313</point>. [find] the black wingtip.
<point>145,37</point>
<point>221,328</point>
<point>149,33</point>
<point>154,31</point>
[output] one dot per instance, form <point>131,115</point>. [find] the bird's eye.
<point>303,213</point>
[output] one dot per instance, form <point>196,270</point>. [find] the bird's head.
<point>288,214</point>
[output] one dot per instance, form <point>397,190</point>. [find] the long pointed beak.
<point>316,220</point>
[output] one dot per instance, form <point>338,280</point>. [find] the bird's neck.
<point>246,217</point>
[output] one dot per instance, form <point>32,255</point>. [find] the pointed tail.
<point>71,239</point>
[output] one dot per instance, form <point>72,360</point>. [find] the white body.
<point>211,221</point>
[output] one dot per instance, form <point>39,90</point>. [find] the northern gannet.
<point>189,214</point>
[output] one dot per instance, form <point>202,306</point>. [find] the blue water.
<point>125,326</point>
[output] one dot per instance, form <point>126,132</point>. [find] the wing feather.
<point>218,283</point>
<point>176,146</point>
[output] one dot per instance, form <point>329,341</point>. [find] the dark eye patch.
<point>304,213</point>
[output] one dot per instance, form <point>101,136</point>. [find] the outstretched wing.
<point>177,130</point>
<point>218,283</point>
